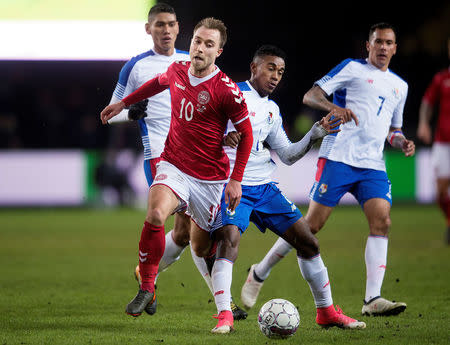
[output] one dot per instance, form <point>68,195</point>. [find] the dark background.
<point>52,104</point>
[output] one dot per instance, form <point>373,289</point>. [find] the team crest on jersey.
<point>160,177</point>
<point>203,97</point>
<point>323,188</point>
<point>270,118</point>
<point>396,92</point>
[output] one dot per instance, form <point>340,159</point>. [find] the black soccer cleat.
<point>140,303</point>
<point>238,313</point>
<point>150,309</point>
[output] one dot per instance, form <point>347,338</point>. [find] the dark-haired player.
<point>352,160</point>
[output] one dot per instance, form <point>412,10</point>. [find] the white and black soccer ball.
<point>278,318</point>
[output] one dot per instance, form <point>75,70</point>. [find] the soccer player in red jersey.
<point>438,92</point>
<point>194,166</point>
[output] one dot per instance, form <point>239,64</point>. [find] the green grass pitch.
<point>66,276</point>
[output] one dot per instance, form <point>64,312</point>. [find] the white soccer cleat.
<point>379,306</point>
<point>250,289</point>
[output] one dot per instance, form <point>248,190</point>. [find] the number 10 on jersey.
<point>187,110</point>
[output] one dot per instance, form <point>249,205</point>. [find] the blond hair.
<point>214,24</point>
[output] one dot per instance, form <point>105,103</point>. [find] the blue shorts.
<point>334,179</point>
<point>264,205</point>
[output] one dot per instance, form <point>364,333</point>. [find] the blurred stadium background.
<point>60,61</point>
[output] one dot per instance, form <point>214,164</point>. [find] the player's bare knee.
<point>381,226</point>
<point>200,250</point>
<point>180,235</point>
<point>315,226</point>
<point>307,248</point>
<point>155,216</point>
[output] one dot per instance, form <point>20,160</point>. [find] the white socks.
<point>376,258</point>
<point>316,274</point>
<point>278,251</point>
<point>172,253</point>
<point>203,269</point>
<point>222,273</point>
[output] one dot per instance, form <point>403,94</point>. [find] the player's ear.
<point>253,67</point>
<point>147,28</point>
<point>219,52</point>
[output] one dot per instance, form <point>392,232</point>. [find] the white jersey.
<point>377,98</point>
<point>134,73</point>
<point>268,129</point>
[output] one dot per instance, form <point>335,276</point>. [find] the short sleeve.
<point>337,78</point>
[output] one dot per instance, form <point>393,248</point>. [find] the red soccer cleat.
<point>225,324</point>
<point>329,317</point>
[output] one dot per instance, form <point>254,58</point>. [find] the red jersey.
<point>201,108</point>
<point>439,90</point>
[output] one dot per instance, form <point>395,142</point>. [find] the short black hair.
<point>381,26</point>
<point>160,8</point>
<point>270,50</point>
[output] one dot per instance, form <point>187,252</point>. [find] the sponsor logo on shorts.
<point>160,177</point>
<point>230,212</point>
<point>389,194</point>
<point>323,188</point>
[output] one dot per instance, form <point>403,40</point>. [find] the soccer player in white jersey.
<point>263,203</point>
<point>193,166</point>
<point>153,116</point>
<point>352,160</point>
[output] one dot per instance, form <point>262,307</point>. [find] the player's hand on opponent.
<point>408,147</point>
<point>137,111</point>
<point>330,123</point>
<point>110,111</point>
<point>232,139</point>
<point>233,193</point>
<point>345,114</point>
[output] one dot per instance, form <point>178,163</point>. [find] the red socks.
<point>151,250</point>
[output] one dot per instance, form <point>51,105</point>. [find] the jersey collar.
<point>256,92</point>
<point>197,81</point>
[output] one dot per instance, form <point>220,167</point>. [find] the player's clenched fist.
<point>111,111</point>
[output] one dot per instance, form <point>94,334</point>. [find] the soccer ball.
<point>278,318</point>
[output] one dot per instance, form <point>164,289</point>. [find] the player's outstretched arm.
<point>316,98</point>
<point>111,110</point>
<point>397,139</point>
<point>150,88</point>
<point>295,151</point>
